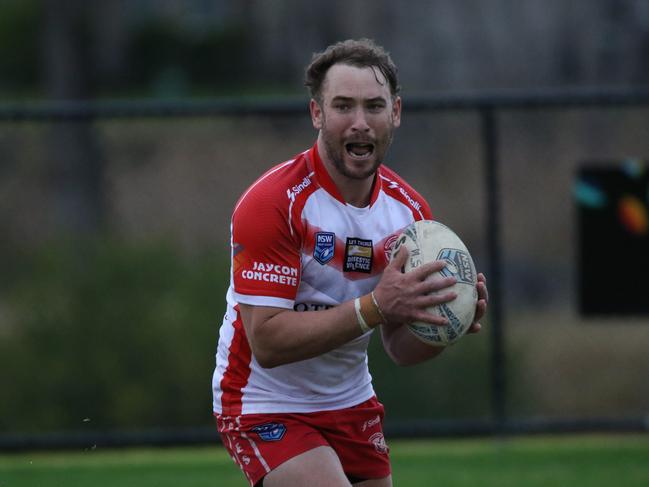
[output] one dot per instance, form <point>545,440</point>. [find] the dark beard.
<point>337,158</point>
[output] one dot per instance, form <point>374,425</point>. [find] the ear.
<point>316,114</point>
<point>396,112</point>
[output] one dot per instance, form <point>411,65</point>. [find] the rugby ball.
<point>426,241</point>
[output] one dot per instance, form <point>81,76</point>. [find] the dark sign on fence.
<point>613,212</point>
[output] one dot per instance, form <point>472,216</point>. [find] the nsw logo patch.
<point>325,245</point>
<point>270,431</point>
<point>458,264</point>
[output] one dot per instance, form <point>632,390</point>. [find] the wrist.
<point>368,312</point>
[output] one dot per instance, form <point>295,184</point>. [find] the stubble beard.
<point>335,151</point>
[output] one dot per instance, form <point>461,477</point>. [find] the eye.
<point>375,107</point>
<point>342,107</point>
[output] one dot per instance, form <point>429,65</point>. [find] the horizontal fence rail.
<point>91,440</point>
<point>71,110</point>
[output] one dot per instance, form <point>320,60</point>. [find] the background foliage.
<point>110,334</point>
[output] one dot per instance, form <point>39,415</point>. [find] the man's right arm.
<point>279,336</point>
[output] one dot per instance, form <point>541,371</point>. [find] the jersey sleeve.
<point>400,190</point>
<point>265,251</point>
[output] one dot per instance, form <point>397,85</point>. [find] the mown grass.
<point>585,460</point>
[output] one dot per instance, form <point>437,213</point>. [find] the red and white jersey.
<point>296,244</point>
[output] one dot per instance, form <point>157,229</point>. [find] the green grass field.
<point>575,461</point>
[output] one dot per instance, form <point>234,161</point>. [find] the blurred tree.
<point>122,334</point>
<point>171,59</point>
<point>19,33</point>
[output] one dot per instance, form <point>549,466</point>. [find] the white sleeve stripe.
<point>290,213</point>
<point>256,300</point>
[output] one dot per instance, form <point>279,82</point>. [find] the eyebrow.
<point>377,99</point>
<point>349,98</point>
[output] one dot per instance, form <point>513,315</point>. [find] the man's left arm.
<point>405,349</point>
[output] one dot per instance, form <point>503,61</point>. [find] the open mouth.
<point>359,150</point>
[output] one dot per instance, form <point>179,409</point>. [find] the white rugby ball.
<point>427,241</point>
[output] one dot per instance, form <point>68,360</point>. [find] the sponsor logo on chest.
<point>358,255</point>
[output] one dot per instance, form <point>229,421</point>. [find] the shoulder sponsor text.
<point>298,188</point>
<point>273,273</point>
<point>414,203</point>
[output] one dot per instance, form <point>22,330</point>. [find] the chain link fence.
<point>499,169</point>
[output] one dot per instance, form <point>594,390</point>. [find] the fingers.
<point>423,316</point>
<point>481,305</point>
<point>474,328</point>
<point>399,259</point>
<point>481,286</point>
<point>434,299</point>
<point>480,310</point>
<point>434,295</point>
<point>425,270</point>
<point>407,297</point>
<point>435,283</point>
<point>422,272</point>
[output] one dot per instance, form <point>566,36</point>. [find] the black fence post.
<point>489,130</point>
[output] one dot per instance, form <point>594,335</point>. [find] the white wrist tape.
<point>359,316</point>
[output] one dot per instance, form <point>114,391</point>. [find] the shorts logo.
<point>325,244</point>
<point>270,431</point>
<point>378,440</point>
<point>358,255</point>
<point>371,422</point>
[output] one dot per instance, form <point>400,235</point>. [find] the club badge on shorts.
<point>270,431</point>
<point>378,440</point>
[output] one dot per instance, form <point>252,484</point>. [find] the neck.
<point>355,198</point>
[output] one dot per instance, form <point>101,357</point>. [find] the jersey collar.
<point>325,182</point>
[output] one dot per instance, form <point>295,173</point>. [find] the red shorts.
<point>259,443</point>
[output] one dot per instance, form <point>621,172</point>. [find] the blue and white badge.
<point>270,431</point>
<point>458,265</point>
<point>325,245</point>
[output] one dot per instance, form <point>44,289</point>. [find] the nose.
<point>359,123</point>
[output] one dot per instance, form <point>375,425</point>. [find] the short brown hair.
<point>359,53</point>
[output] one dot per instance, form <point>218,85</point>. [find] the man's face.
<point>356,118</point>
